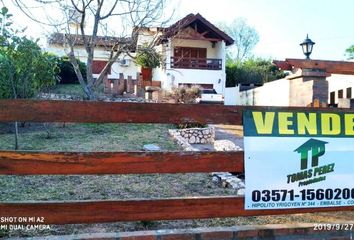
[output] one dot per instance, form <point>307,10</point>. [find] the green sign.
<point>298,159</point>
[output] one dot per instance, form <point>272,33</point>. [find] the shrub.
<point>24,69</point>
<point>257,71</point>
<point>184,94</point>
<point>67,74</point>
<point>147,57</point>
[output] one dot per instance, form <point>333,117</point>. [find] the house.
<point>194,52</point>
<point>192,49</point>
<point>57,45</point>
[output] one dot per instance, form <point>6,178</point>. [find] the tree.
<point>245,37</point>
<point>24,69</point>
<point>252,71</point>
<point>350,52</point>
<point>90,16</point>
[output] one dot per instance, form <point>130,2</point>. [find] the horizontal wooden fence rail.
<point>34,163</point>
<point>133,210</point>
<point>114,112</point>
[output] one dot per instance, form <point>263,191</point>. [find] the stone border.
<point>227,180</point>
<point>270,231</point>
<point>181,141</point>
<point>197,135</point>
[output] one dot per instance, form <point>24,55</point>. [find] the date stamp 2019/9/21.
<point>333,226</point>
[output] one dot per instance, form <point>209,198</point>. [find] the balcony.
<point>196,63</point>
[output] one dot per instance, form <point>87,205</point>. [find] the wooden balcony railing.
<point>196,63</point>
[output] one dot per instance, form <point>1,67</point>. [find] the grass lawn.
<point>118,137</point>
<point>87,137</point>
<point>70,89</point>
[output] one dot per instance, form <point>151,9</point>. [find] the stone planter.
<point>197,135</point>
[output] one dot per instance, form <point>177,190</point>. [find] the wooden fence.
<point>121,85</point>
<point>66,212</point>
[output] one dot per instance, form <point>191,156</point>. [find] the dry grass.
<point>88,137</point>
<point>68,89</point>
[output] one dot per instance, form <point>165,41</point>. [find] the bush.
<point>253,71</point>
<point>147,57</point>
<point>67,74</point>
<point>24,69</point>
<point>184,94</point>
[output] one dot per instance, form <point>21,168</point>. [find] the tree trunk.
<point>87,90</point>
<point>16,135</point>
<point>15,97</point>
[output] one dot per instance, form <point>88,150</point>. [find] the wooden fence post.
<point>107,85</point>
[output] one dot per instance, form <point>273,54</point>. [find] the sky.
<point>282,24</point>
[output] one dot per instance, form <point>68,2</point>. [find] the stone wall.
<point>197,135</point>
<point>181,141</point>
<point>304,89</point>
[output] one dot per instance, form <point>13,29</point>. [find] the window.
<point>349,92</point>
<point>332,98</point>
<point>340,93</point>
<point>98,65</point>
<point>187,57</point>
<point>186,52</point>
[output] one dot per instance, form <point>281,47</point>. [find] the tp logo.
<point>317,148</point>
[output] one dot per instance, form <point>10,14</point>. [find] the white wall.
<point>221,54</point>
<point>275,93</point>
<point>232,96</point>
<point>130,70</point>
<point>340,82</point>
<point>174,77</point>
<point>148,35</point>
<point>100,54</point>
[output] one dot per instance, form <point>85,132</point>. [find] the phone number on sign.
<point>304,195</point>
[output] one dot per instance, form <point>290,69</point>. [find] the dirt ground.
<point>119,137</point>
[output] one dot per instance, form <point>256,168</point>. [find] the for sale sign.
<point>298,159</point>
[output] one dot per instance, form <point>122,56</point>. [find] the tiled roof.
<point>101,41</point>
<point>205,25</point>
